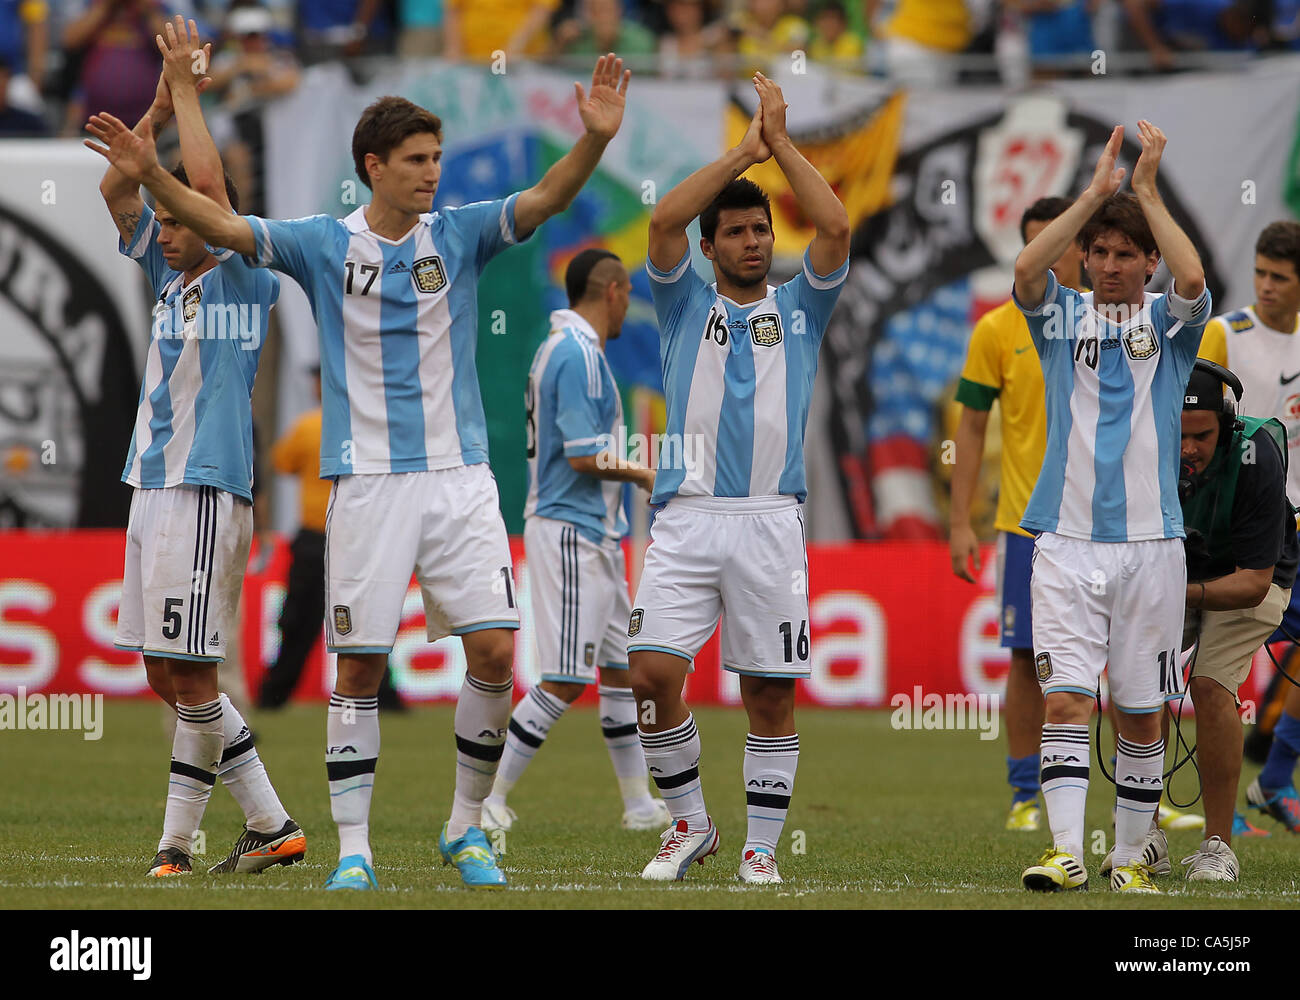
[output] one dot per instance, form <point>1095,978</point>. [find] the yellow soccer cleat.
<point>1169,818</point>
<point>1135,877</point>
<point>1025,816</point>
<point>1056,871</point>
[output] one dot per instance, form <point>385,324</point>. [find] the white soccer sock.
<point>351,753</point>
<point>196,753</point>
<point>482,716</point>
<point>618,726</point>
<point>530,723</point>
<point>1065,759</point>
<point>244,775</point>
<point>770,763</point>
<point>1139,783</point>
<point>673,758</point>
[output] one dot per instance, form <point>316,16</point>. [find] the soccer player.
<point>739,358</point>
<point>574,526</point>
<point>191,463</point>
<point>1109,575</point>
<point>1001,365</point>
<point>1241,563</point>
<point>394,291</point>
<point>1261,345</point>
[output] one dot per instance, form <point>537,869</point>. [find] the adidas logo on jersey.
<point>399,268</point>
<point>215,638</point>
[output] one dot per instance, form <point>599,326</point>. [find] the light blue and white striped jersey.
<point>195,420</point>
<point>737,381</point>
<point>573,409</point>
<point>398,327</point>
<point>1114,395</point>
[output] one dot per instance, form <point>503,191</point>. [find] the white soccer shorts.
<point>580,602</point>
<point>445,527</point>
<point>1120,603</point>
<point>186,552</point>
<point>742,558</point>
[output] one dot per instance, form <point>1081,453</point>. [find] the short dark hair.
<point>1043,210</point>
<point>1281,241</point>
<point>385,125</point>
<point>577,276</point>
<point>232,193</point>
<point>1122,213</point>
<point>740,193</point>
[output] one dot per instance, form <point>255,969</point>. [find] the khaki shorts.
<point>1230,639</point>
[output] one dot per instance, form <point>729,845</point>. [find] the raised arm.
<point>687,200</point>
<point>1176,249</point>
<point>122,194</point>
<point>185,61</point>
<point>602,113</point>
<point>1045,249</point>
<point>830,247</point>
<point>136,157</point>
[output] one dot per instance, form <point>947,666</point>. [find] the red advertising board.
<point>886,617</point>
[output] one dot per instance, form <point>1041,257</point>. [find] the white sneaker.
<point>1154,856</point>
<point>678,848</point>
<point>1214,862</point>
<point>497,816</point>
<point>654,816</point>
<point>759,868</point>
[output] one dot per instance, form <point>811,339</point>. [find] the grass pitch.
<point>885,819</point>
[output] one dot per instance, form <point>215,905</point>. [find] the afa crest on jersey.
<point>191,302</point>
<point>765,330</point>
<point>1141,342</point>
<point>429,275</point>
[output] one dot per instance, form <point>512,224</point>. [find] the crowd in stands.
<point>58,61</point>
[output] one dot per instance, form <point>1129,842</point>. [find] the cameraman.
<point>1241,562</point>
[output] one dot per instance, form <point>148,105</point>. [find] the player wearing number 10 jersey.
<point>394,292</point>
<point>739,359</point>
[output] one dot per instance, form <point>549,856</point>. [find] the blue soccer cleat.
<point>352,873</point>
<point>474,859</point>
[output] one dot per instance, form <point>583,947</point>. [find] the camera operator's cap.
<point>250,21</point>
<point>1204,392</point>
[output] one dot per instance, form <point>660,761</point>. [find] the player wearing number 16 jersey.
<point>739,358</point>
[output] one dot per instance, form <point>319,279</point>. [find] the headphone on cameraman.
<point>1228,421</point>
<point>1188,481</point>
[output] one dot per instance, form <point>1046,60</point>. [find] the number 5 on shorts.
<point>171,626</point>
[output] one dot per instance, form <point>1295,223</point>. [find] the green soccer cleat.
<point>473,858</point>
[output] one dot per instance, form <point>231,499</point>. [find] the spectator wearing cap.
<point>17,122</point>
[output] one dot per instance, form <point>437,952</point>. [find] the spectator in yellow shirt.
<point>475,29</point>
<point>765,31</point>
<point>923,38</point>
<point>833,39</point>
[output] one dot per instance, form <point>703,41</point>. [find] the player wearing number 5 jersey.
<point>739,358</point>
<point>191,464</point>
<point>393,288</point>
<point>1109,576</point>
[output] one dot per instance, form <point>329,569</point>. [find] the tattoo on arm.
<point>126,224</point>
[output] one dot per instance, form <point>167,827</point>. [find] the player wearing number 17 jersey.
<point>394,291</point>
<point>739,358</point>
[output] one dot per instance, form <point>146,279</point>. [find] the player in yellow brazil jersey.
<point>1261,345</point>
<point>1001,364</point>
